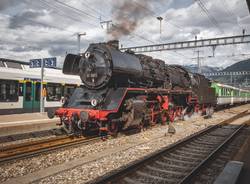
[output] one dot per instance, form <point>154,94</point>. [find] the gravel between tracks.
<point>154,138</point>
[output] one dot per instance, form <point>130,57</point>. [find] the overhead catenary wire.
<point>115,24</point>
<point>156,15</point>
<point>230,12</point>
<point>210,17</point>
<point>76,9</point>
<point>97,18</point>
<point>65,15</point>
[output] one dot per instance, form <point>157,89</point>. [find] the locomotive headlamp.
<point>51,113</point>
<point>84,116</point>
<point>87,55</point>
<point>94,102</point>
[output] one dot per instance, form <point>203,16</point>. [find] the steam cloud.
<point>127,15</point>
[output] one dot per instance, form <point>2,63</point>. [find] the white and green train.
<point>20,87</point>
<point>229,95</point>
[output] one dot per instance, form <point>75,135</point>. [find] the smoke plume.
<point>127,15</point>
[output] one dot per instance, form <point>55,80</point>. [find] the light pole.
<point>41,88</point>
<point>78,41</point>
<point>160,19</point>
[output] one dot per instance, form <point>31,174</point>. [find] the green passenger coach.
<point>228,95</point>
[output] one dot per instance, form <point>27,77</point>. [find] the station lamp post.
<point>79,41</point>
<point>160,19</point>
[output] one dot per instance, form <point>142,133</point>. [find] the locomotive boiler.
<point>123,90</point>
<point>104,65</point>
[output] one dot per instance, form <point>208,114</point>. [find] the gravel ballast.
<point>152,140</point>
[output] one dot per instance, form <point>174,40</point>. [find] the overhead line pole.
<point>79,42</point>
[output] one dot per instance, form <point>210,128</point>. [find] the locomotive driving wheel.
<point>164,117</point>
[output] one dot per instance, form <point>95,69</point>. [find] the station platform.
<point>24,123</point>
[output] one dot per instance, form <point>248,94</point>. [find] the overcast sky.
<point>43,28</point>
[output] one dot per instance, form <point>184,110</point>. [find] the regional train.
<point>124,90</point>
<point>20,87</point>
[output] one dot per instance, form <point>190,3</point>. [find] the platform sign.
<point>50,62</point>
<point>35,63</point>
<point>47,63</point>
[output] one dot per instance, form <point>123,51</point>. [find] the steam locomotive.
<point>123,90</point>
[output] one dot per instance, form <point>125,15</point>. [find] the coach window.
<point>54,92</point>
<point>1,64</point>
<point>8,91</point>
<point>223,91</point>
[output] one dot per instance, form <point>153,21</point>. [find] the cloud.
<point>33,29</point>
<point>24,48</point>
<point>4,4</point>
<point>26,17</point>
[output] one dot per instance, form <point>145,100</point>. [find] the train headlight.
<point>94,102</point>
<point>51,113</point>
<point>87,55</point>
<point>84,116</point>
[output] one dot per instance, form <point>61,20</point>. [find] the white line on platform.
<point>26,121</point>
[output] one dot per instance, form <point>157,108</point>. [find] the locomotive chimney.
<point>114,44</point>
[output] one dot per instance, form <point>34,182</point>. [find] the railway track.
<point>180,162</point>
<point>30,135</point>
<point>46,133</point>
<point>33,148</point>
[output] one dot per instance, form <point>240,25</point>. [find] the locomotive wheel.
<point>172,117</point>
<point>113,129</point>
<point>164,118</point>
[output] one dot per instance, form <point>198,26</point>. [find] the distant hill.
<point>205,69</point>
<point>240,66</point>
<point>238,81</point>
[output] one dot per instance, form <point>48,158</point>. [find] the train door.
<point>31,99</point>
<point>37,91</point>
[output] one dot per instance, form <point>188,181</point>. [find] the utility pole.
<point>41,86</point>
<point>198,61</point>
<point>79,42</point>
<point>214,47</point>
<point>108,24</point>
<point>231,81</point>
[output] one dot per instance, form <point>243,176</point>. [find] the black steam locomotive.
<point>123,90</point>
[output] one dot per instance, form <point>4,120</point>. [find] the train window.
<point>2,64</point>
<point>13,65</point>
<point>8,91</point>
<point>54,92</point>
<point>28,93</point>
